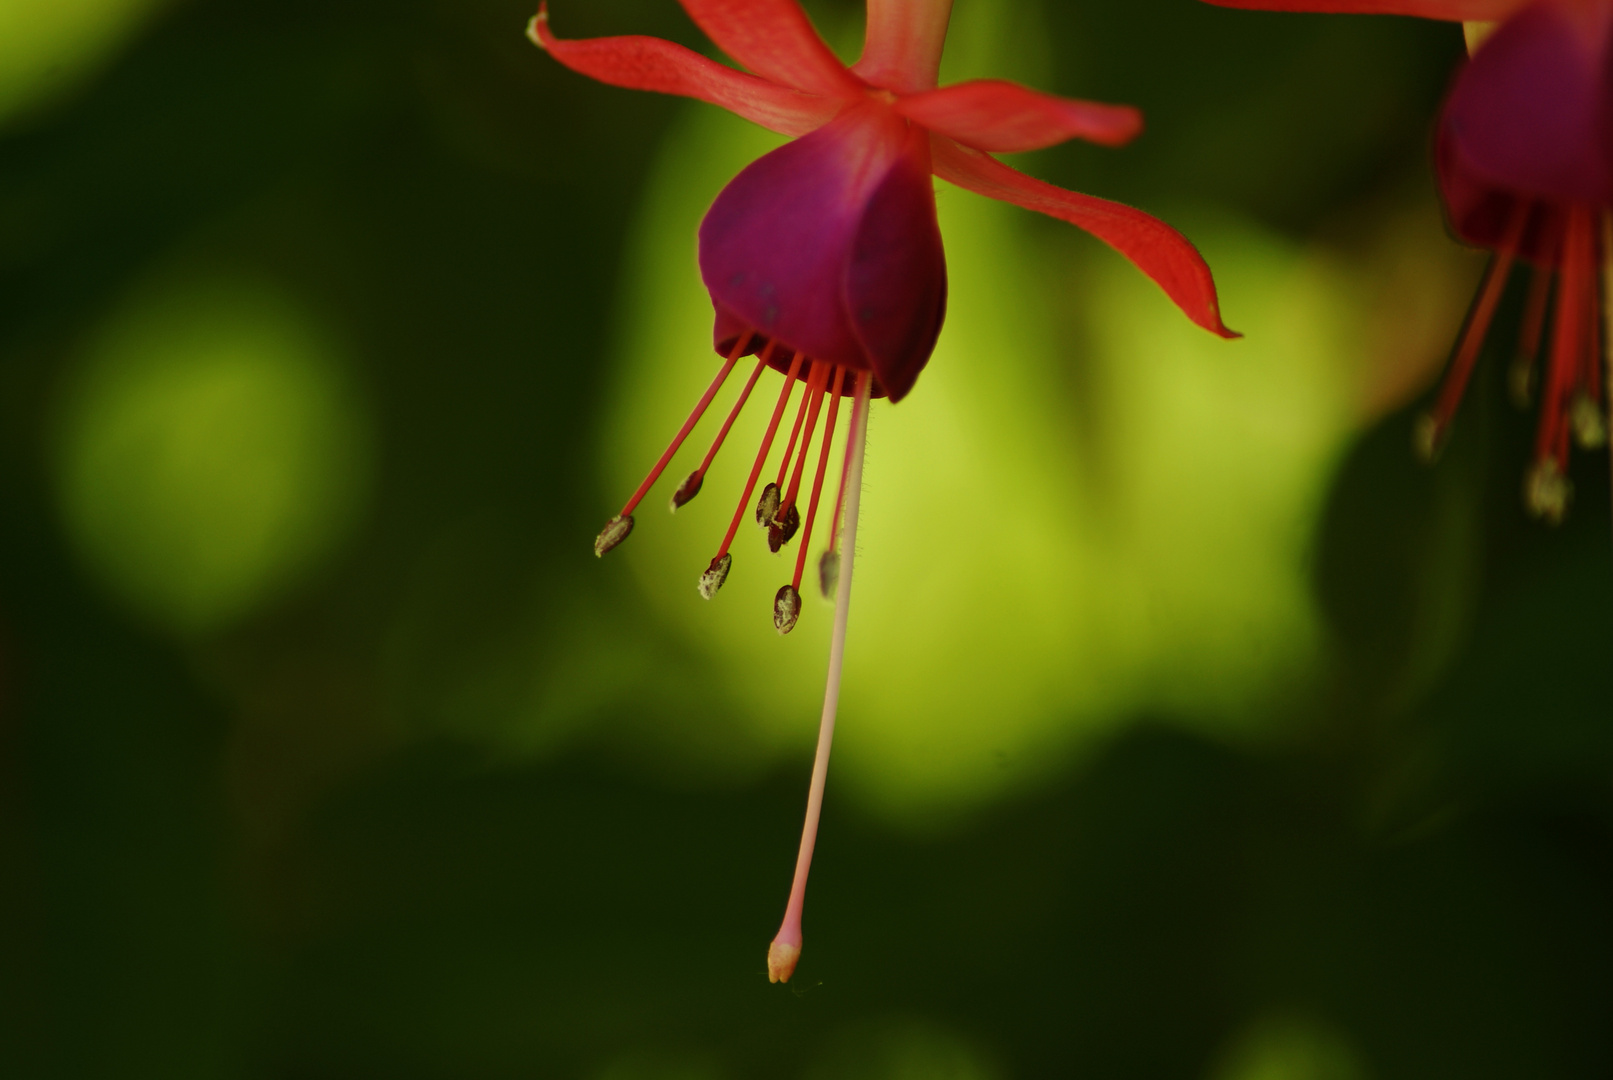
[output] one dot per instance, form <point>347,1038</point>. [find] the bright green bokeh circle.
<point>210,452</point>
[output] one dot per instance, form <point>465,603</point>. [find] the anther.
<point>786,609</point>
<point>1521,381</point>
<point>829,573</point>
<point>615,531</point>
<point>1547,491</point>
<point>715,575</point>
<point>782,529</point>
<point>1590,426</point>
<point>688,489</point>
<point>1428,438</point>
<point>767,505</point>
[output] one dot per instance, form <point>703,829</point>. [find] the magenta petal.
<point>1530,114</point>
<point>896,283</point>
<point>829,246</point>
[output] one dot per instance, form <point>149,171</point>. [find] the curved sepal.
<point>1006,118</point>
<point>1152,246</point>
<point>649,63</point>
<point>774,39</point>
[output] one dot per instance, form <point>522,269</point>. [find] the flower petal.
<point>1153,246</point>
<point>902,49</point>
<point>648,63</point>
<point>896,280</point>
<point>1530,113</point>
<point>1004,118</point>
<point>829,246</point>
<point>1452,10</point>
<point>774,39</point>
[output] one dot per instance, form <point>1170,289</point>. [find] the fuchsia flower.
<point>824,258</point>
<point>1524,151</point>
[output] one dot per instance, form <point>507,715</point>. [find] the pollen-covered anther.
<point>615,531</point>
<point>1547,491</point>
<point>715,575</point>
<point>786,609</point>
<point>1428,437</point>
<point>1587,421</point>
<point>829,573</point>
<point>1521,381</point>
<point>688,489</point>
<point>767,505</point>
<point>782,529</point>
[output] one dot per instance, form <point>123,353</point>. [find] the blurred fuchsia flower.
<point>1524,151</point>
<point>823,258</point>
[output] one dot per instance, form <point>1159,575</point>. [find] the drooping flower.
<point>824,258</point>
<point>1524,153</point>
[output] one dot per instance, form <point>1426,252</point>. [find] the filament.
<point>688,425</point>
<point>761,455</point>
<point>817,482</point>
<point>733,414</point>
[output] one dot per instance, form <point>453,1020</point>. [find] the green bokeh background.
<point>1191,728</point>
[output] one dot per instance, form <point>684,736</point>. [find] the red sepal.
<point>774,39</point>
<point>649,63</point>
<point>1006,118</point>
<point>1152,246</point>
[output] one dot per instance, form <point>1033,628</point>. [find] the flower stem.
<point>785,949</point>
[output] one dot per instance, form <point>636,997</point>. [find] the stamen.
<point>800,415</point>
<point>1521,376</point>
<point>786,520</point>
<point>785,950</point>
<point>783,528</point>
<point>620,527</point>
<point>786,608</point>
<point>694,481</point>
<point>1567,341</point>
<point>819,380</point>
<point>750,485</point>
<point>1590,423</point>
<point>1585,417</point>
<point>1547,491</point>
<point>767,505</point>
<point>828,572</point>
<point>1432,426</point>
<point>817,481</point>
<point>715,575</point>
<point>1607,308</point>
<point>615,531</point>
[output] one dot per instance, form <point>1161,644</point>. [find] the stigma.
<point>778,510</point>
<point>1557,360</point>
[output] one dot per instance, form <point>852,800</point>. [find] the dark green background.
<point>246,856</point>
